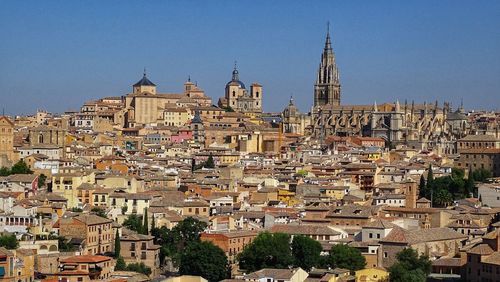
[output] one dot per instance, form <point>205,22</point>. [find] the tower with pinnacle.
<point>327,86</point>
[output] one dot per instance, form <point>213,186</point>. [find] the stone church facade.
<point>419,126</point>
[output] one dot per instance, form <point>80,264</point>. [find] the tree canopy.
<point>133,222</point>
<point>344,256</point>
<point>117,244</point>
<point>9,242</point>
<point>20,168</point>
<point>410,267</point>
<point>174,241</point>
<point>267,250</point>
<point>120,264</point>
<point>139,267</point>
<point>306,252</point>
<point>206,260</point>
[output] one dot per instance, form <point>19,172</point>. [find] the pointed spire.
<point>189,78</point>
<point>398,107</point>
<point>375,108</point>
<point>235,72</point>
<point>328,43</point>
<point>144,73</point>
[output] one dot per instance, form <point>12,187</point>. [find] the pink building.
<point>182,135</point>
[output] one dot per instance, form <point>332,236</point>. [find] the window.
<point>385,255</point>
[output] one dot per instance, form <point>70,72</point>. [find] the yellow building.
<point>287,197</point>
<point>66,184</point>
<point>336,192</point>
<point>130,184</point>
<point>176,116</point>
<point>371,274</point>
<point>17,265</point>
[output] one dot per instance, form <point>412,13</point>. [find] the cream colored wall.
<point>71,194</point>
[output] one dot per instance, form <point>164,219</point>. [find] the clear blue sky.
<point>55,55</point>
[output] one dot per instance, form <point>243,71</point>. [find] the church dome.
<point>236,80</point>
<point>144,81</point>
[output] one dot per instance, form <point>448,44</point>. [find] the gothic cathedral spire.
<point>327,86</point>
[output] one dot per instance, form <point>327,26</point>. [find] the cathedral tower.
<point>327,86</point>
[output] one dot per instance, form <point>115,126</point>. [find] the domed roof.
<point>144,81</point>
<point>235,79</point>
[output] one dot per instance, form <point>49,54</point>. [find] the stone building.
<point>327,86</point>
<point>95,231</point>
<point>47,135</point>
<point>6,141</point>
<point>431,242</point>
<point>144,106</point>
<point>238,98</point>
<point>480,152</point>
<point>139,248</point>
<point>421,126</point>
<point>293,121</point>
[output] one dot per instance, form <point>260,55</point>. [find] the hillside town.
<point>153,186</point>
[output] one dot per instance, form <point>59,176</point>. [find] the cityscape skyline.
<point>377,59</point>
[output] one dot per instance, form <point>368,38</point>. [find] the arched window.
<point>40,138</point>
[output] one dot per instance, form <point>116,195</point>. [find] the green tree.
<point>429,182</point>
<point>99,212</point>
<point>174,241</point>
<point>210,162</point>
<point>206,260</point>
<point>9,242</point>
<point>64,245</point>
<point>153,223</point>
<point>410,267</point>
<point>20,168</point>
<point>145,227</point>
<point>4,171</point>
<point>267,250</point>
<point>302,173</point>
<point>442,197</point>
<point>139,268</point>
<point>41,180</point>
<point>346,257</point>
<point>117,244</point>
<point>422,187</point>
<point>189,229</point>
<point>133,222</point>
<point>481,175</point>
<point>306,252</point>
<point>228,109</point>
<point>120,264</point>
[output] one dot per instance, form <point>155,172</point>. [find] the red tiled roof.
<point>85,259</point>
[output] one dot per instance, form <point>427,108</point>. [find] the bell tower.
<point>327,86</point>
